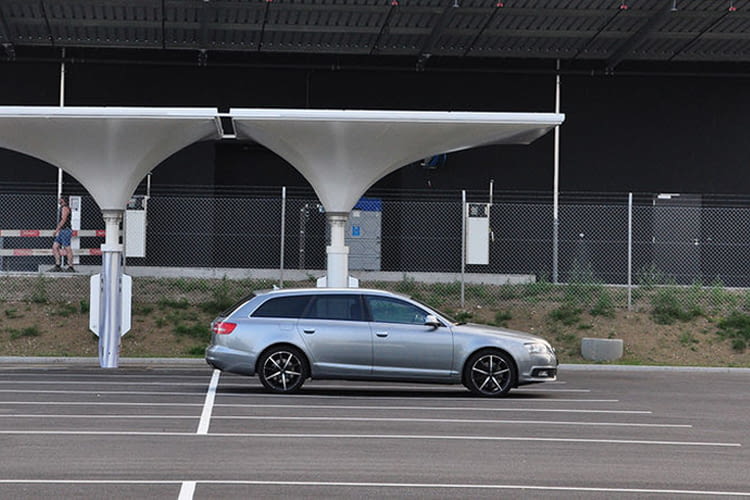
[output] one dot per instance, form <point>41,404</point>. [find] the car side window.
<point>283,307</point>
<point>387,310</point>
<point>342,307</point>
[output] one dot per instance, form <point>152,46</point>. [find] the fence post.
<point>283,234</point>
<point>463,245</point>
<point>630,251</point>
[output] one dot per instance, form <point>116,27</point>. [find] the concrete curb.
<point>192,362</point>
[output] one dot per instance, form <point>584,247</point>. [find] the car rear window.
<point>282,307</point>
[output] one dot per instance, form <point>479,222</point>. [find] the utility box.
<point>363,235</point>
<point>478,233</point>
<point>135,227</point>
<point>74,202</point>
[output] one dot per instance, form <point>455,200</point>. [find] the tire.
<point>490,373</point>
<point>283,369</point>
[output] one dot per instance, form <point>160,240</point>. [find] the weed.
<point>165,303</point>
<point>502,318</point>
<point>539,287</point>
<point>12,314</point>
<point>688,339</point>
<point>221,299</point>
<point>39,291</point>
<point>463,316</point>
<point>585,326</point>
<point>196,330</point>
<point>197,350</point>
<point>477,292</point>
<point>66,309</point>
<point>736,327</point>
<point>649,277</point>
<point>604,305</point>
<point>739,345</point>
<point>720,296</point>
<point>142,309</point>
<point>29,331</point>
<point>446,290</point>
<point>83,306</point>
<point>669,305</point>
<point>567,314</point>
<point>407,286</point>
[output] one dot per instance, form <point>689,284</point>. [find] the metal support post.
<point>556,187</point>
<point>463,247</point>
<point>283,237</point>
<point>630,251</point>
<point>110,312</point>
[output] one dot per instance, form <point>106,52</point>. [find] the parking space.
<point>189,432</point>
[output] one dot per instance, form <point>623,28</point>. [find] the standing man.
<point>63,232</point>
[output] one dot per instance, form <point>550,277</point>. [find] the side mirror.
<point>432,321</point>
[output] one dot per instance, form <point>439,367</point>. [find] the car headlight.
<point>538,348</point>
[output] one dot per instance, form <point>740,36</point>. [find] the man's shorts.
<point>63,237</point>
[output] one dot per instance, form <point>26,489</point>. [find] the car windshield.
<point>441,313</point>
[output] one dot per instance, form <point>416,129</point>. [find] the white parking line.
<point>187,490</point>
<point>403,437</point>
<point>437,408</point>
<point>208,405</point>
<point>345,484</point>
<point>433,486</point>
<point>133,393</point>
<point>326,407</point>
<point>277,418</point>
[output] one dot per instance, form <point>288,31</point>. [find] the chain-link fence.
<point>196,244</point>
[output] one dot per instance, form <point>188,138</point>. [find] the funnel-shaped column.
<point>109,151</point>
<point>343,153</point>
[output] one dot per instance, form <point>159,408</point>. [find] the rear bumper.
<point>229,360</point>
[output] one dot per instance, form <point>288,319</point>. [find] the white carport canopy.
<point>344,152</point>
<point>109,151</point>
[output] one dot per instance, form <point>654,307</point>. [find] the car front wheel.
<point>490,373</point>
<point>283,369</point>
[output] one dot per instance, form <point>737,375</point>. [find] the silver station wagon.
<point>288,336</point>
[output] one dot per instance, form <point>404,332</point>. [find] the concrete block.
<point>601,349</point>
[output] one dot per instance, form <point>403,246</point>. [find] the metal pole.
<point>283,234</point>
<point>60,170</point>
<point>110,306</point>
<point>630,251</point>
<point>463,245</point>
<point>556,186</point>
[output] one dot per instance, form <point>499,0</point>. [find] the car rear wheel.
<point>283,369</point>
<point>490,373</point>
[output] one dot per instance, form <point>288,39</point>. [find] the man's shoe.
<point>55,269</point>
<point>70,269</point>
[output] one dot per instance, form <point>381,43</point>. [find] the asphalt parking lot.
<point>155,431</point>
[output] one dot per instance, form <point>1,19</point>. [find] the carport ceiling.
<point>598,33</point>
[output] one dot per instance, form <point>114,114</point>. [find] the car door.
<point>337,336</point>
<point>403,346</point>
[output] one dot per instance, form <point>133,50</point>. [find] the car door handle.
<point>310,330</point>
<point>381,334</point>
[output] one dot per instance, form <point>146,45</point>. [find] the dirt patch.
<point>178,329</point>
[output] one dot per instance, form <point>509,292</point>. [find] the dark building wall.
<point>622,133</point>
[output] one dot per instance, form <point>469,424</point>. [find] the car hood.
<point>475,329</point>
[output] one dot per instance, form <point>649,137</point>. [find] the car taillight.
<point>223,328</point>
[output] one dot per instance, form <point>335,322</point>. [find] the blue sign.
<point>356,231</point>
